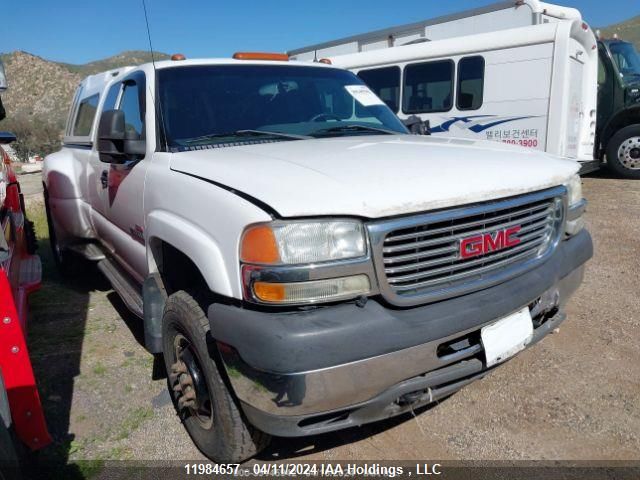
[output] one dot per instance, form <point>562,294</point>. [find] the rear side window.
<point>69,127</point>
<point>470,83</point>
<point>428,87</point>
<point>385,82</point>
<point>84,118</point>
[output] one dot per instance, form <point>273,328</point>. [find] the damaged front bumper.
<point>307,372</point>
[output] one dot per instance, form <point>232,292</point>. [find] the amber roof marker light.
<point>177,57</point>
<point>278,57</point>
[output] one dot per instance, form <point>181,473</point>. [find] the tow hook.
<point>415,397</point>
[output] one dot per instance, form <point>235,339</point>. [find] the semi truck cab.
<point>618,125</point>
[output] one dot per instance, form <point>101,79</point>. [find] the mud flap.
<point>154,297</point>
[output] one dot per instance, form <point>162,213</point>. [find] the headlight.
<point>305,262</point>
<point>577,204</point>
<point>574,190</point>
<point>300,242</point>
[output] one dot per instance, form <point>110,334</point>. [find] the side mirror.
<point>417,126</point>
<point>7,138</point>
<point>115,144</point>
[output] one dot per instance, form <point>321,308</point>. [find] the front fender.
<point>203,250</point>
<point>620,119</point>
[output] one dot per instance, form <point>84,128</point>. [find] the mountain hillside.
<point>628,30</point>
<point>132,57</point>
<point>38,88</point>
<point>42,89</point>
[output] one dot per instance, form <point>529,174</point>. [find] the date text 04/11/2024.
<point>311,469</point>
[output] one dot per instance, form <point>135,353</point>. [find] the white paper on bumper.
<point>506,337</point>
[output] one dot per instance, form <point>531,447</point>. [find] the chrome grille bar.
<point>464,274</point>
<point>435,241</point>
<point>454,248</point>
<point>530,243</point>
<point>396,238</point>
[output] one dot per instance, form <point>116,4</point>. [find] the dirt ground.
<point>576,395</point>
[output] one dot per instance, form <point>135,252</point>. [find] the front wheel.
<point>199,393</point>
<point>623,152</point>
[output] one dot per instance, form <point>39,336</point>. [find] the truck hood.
<point>375,176</point>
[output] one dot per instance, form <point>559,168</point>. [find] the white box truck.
<point>523,73</point>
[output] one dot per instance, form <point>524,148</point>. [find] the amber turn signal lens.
<point>269,292</point>
<point>314,291</point>
<point>259,246</point>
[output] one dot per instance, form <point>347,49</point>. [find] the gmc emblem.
<point>489,242</point>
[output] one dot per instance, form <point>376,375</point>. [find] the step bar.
<point>123,284</point>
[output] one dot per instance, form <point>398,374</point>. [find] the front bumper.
<point>306,372</point>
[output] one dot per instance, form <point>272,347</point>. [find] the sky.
<point>79,31</point>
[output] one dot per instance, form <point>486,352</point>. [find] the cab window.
<point>470,83</point>
<point>428,87</point>
<point>385,82</point>
<point>84,118</point>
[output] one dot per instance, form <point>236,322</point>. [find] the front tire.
<point>199,393</point>
<point>623,152</point>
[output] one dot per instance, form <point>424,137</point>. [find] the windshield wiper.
<point>353,128</point>
<point>248,133</point>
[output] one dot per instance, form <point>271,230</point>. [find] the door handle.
<point>104,179</point>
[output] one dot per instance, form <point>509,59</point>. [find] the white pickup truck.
<point>301,261</point>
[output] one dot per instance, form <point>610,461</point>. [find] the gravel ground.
<point>576,395</point>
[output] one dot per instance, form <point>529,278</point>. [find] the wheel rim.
<point>189,384</point>
<point>629,153</point>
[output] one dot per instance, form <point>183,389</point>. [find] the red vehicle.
<point>22,421</point>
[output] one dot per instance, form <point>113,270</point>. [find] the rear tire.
<point>213,420</point>
<point>623,152</point>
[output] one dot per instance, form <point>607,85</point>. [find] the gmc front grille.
<point>437,255</point>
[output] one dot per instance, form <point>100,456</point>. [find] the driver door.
<point>606,80</point>
<point>118,187</point>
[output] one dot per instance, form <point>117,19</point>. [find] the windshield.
<point>626,58</point>
<point>214,105</point>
